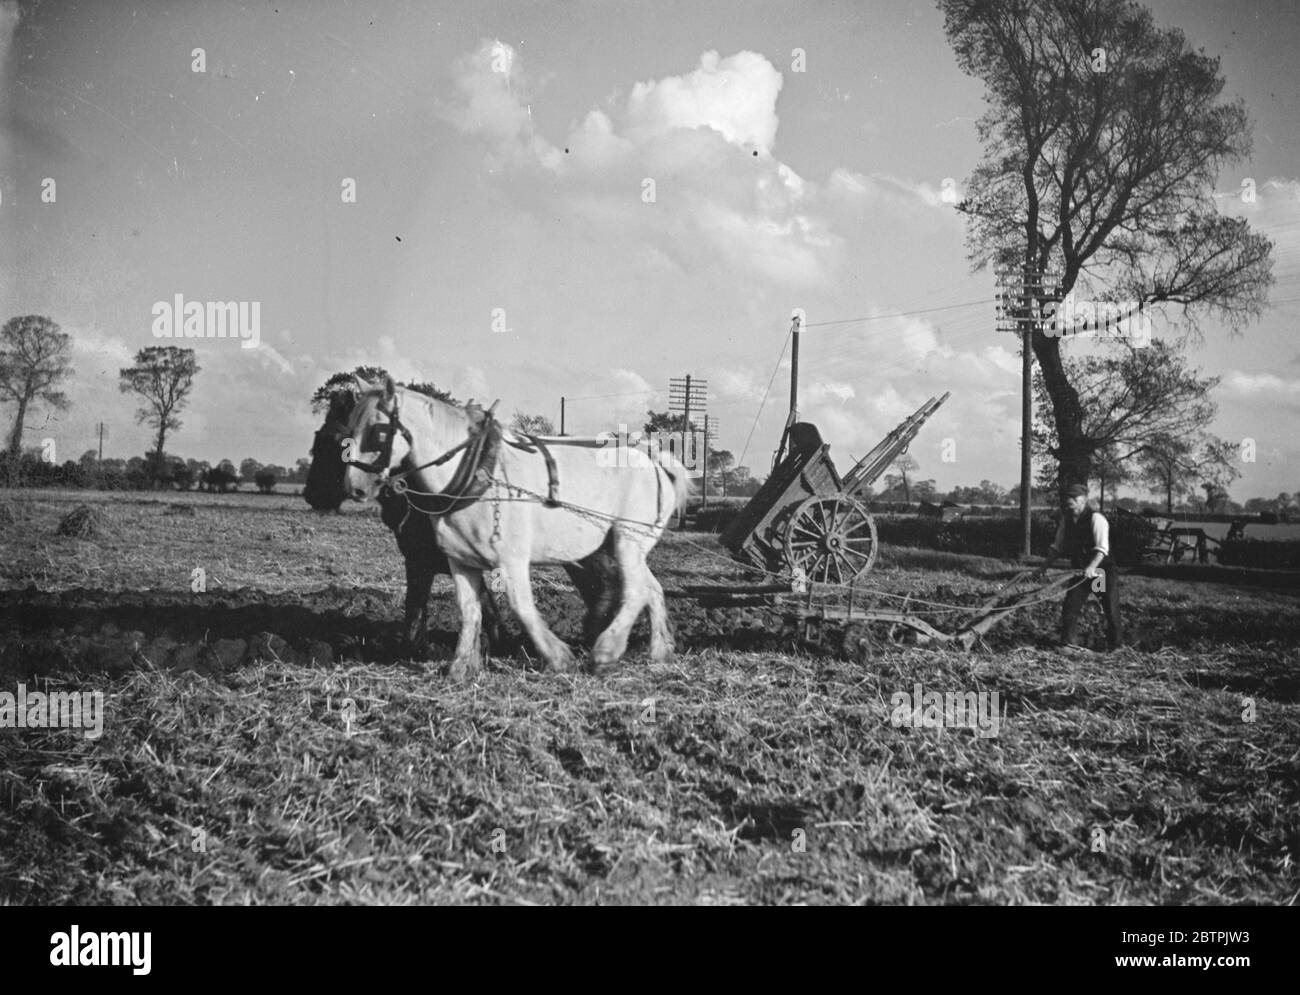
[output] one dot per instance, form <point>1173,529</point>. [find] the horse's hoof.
<point>462,670</point>
<point>561,662</point>
<point>602,665</point>
<point>662,650</point>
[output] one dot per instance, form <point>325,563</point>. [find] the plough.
<point>794,602</point>
<point>979,622</point>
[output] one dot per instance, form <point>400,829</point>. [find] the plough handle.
<point>990,613</point>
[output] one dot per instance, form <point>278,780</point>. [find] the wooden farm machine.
<point>809,530</point>
<point>806,520</point>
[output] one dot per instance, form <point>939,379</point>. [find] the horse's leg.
<point>423,560</point>
<point>519,589</point>
<point>419,582</point>
<point>596,579</point>
<point>469,588</point>
<point>612,644</point>
<point>491,620</point>
<point>661,636</point>
<point>580,578</point>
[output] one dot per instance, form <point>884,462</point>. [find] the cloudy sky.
<point>574,199</point>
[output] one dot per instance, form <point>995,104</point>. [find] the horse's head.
<point>379,441</point>
<point>324,489</point>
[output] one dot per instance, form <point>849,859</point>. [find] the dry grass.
<point>1124,778</point>
<point>83,522</point>
<point>674,784</point>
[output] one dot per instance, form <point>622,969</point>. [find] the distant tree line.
<point>142,473</point>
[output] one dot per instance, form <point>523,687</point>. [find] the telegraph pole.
<point>794,389</point>
<point>687,433</point>
<point>794,368</point>
<point>101,442</point>
<point>562,415</point>
<point>1026,434</point>
<point>704,491</point>
<point>1020,310</point>
<point>687,394</point>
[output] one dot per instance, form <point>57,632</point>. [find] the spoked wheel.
<point>832,539</point>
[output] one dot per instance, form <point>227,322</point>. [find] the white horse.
<point>626,497</point>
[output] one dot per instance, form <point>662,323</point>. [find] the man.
<point>1084,536</point>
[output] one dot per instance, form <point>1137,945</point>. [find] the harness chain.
<point>496,513</point>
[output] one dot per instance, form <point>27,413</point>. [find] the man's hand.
<point>1091,571</point>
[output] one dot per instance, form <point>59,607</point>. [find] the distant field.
<point>275,716</point>
<point>1254,530</point>
<point>283,497</point>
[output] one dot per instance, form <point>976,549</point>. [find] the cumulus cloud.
<point>823,391</point>
<point>1261,383</point>
<point>860,191</point>
<point>493,104</point>
<point>713,207</point>
<point>682,164</point>
<point>631,382</point>
<point>737,384</point>
<point>735,96</point>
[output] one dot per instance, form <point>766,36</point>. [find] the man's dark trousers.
<point>1077,595</point>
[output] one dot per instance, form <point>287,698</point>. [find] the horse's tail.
<point>678,474</point>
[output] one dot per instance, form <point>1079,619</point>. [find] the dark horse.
<point>595,576</point>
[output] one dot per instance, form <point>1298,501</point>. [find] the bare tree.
<point>163,376</point>
<point>1102,143</point>
<point>1111,469</point>
<point>532,424</point>
<point>34,359</point>
<point>1173,465</point>
<point>903,463</point>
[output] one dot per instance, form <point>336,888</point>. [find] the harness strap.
<point>552,472</point>
<point>433,462</point>
<point>473,475</point>
<point>659,495</point>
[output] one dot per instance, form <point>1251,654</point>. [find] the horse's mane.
<point>443,414</point>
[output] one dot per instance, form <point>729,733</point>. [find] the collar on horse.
<point>474,473</point>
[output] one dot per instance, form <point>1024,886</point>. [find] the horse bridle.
<point>380,464</point>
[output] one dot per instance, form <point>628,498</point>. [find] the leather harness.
<point>473,475</point>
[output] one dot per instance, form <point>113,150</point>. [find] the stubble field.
<point>265,741</point>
